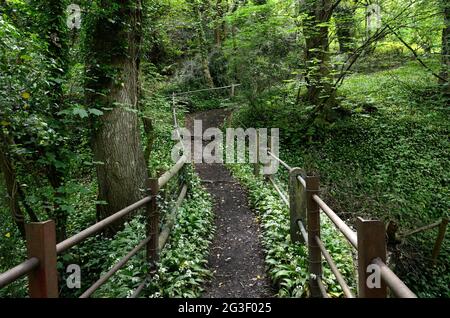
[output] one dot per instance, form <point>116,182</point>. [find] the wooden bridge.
<point>305,205</point>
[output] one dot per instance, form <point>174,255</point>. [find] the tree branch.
<point>416,56</point>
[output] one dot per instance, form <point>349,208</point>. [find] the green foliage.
<point>287,263</point>
<point>388,160</point>
<point>265,50</point>
<point>385,155</point>
<point>183,266</point>
<point>12,252</point>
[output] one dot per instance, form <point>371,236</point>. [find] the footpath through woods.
<point>236,256</point>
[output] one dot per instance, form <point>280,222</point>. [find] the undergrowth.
<point>387,160</point>
<point>287,263</point>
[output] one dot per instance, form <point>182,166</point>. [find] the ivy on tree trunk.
<point>112,70</point>
<point>320,90</point>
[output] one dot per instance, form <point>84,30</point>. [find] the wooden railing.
<point>42,249</point>
<point>305,208</point>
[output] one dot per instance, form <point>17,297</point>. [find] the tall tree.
<point>200,10</point>
<point>53,30</point>
<point>12,186</point>
<point>446,46</point>
<point>112,69</point>
<point>220,27</point>
<point>319,81</point>
<point>345,25</point>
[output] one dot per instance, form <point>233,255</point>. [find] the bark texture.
<point>113,68</point>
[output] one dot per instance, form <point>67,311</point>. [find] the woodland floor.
<point>236,256</point>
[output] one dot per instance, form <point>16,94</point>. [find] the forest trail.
<point>236,256</point>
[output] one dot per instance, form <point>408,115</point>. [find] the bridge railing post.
<point>41,243</point>
<point>313,220</point>
<point>440,238</point>
<point>152,212</point>
<point>371,245</point>
<point>297,204</point>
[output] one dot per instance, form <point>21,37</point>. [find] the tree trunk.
<point>345,25</point>
<point>446,48</point>
<point>220,24</point>
<point>318,69</point>
<point>203,47</point>
<point>52,21</point>
<point>12,186</point>
<point>112,71</point>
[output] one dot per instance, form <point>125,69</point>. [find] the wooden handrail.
<point>303,231</point>
<point>284,164</point>
<point>422,229</point>
<point>395,284</point>
<point>314,202</point>
<point>114,269</point>
<point>33,263</point>
<point>342,227</point>
<point>97,227</point>
<point>280,193</point>
<point>171,218</point>
<point>165,178</point>
<point>140,288</point>
<point>205,90</point>
<point>322,288</point>
<point>18,271</point>
<point>335,270</point>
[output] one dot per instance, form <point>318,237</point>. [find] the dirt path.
<point>236,256</point>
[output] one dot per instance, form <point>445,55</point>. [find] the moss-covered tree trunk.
<point>345,25</point>
<point>53,30</point>
<point>446,47</point>
<point>220,28</point>
<point>318,69</point>
<point>203,43</point>
<point>12,186</point>
<point>112,69</point>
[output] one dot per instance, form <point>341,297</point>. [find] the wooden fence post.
<point>313,219</point>
<point>297,204</point>
<point>256,167</point>
<point>439,240</point>
<point>371,245</point>
<point>153,222</point>
<point>41,243</point>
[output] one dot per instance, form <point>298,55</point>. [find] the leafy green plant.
<point>387,160</point>
<point>287,262</point>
